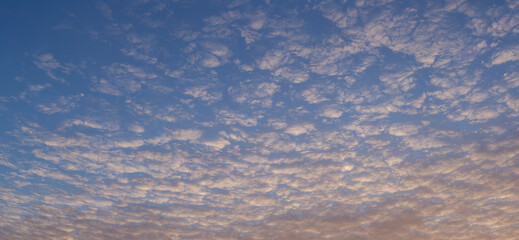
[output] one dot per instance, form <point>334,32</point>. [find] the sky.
<point>274,119</point>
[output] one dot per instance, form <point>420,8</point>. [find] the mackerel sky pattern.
<point>216,119</point>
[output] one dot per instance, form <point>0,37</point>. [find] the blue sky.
<point>155,119</point>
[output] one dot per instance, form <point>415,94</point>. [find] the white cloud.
<point>255,93</point>
<point>477,115</point>
<point>347,167</point>
<point>106,87</point>
<point>333,13</point>
<point>330,126</point>
<point>313,95</point>
<point>423,142</point>
<point>49,65</point>
<point>453,92</point>
<point>92,124</point>
<point>331,112</point>
<point>203,93</point>
<point>277,124</point>
<point>218,144</point>
<point>136,128</point>
<point>273,60</point>
<point>365,129</point>
<point>393,160</point>
<point>186,134</point>
<point>61,105</point>
<point>250,36</point>
<point>295,75</point>
<point>210,61</point>
<point>218,50</point>
<point>230,118</point>
<point>105,10</point>
<point>127,70</point>
<point>506,55</point>
<point>130,144</point>
<point>266,89</point>
<point>257,24</point>
<point>403,129</point>
<point>402,81</point>
<point>299,129</point>
<point>122,78</point>
<point>512,4</point>
<point>38,87</point>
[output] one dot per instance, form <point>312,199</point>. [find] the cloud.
<point>50,65</point>
<point>130,144</point>
<point>394,160</point>
<point>402,81</point>
<point>481,114</point>
<point>335,120</point>
<point>105,10</point>
<point>203,94</point>
<point>137,128</point>
<point>295,75</point>
<point>230,118</point>
<point>255,93</point>
<point>60,105</point>
<point>423,142</point>
<point>186,134</point>
<point>273,60</point>
<point>506,55</point>
<point>365,129</point>
<point>401,130</point>
<point>218,144</point>
<point>331,112</point>
<point>250,36</point>
<point>38,87</point>
<point>211,61</point>
<point>299,129</point>
<point>122,78</point>
<point>177,134</point>
<point>333,12</point>
<point>92,124</point>
<point>257,24</point>
<point>215,54</point>
<point>313,95</point>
